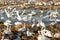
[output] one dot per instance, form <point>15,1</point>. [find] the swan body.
<point>18,23</point>
<point>57,35</point>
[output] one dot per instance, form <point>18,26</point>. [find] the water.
<point>13,19</point>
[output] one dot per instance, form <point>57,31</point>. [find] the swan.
<point>29,33</point>
<point>19,17</point>
<point>42,37</point>
<point>42,24</point>
<point>44,34</point>
<point>38,3</point>
<point>29,1</point>
<point>23,12</point>
<point>18,23</point>
<point>33,23</point>
<point>9,7</point>
<point>44,3</point>
<point>23,28</point>
<point>25,18</point>
<point>57,35</point>
<point>52,14</point>
<point>2,38</point>
<point>6,23</point>
<point>14,10</point>
<point>48,14</point>
<point>7,13</point>
<point>7,31</point>
<point>33,13</point>
<point>41,13</point>
<point>58,20</point>
<point>17,13</point>
<point>2,18</point>
<point>55,15</point>
<point>30,14</point>
<point>30,18</point>
<point>38,24</point>
<point>58,3</point>
<point>6,39</point>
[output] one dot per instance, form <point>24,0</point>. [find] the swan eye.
<point>45,31</point>
<point>40,32</point>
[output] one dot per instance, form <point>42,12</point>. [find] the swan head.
<point>9,8</point>
<point>7,22</point>
<point>46,33</point>
<point>41,11</point>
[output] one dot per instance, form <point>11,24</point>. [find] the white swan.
<point>29,33</point>
<point>7,31</point>
<point>23,28</point>
<point>7,22</point>
<point>7,13</point>
<point>58,20</point>
<point>33,23</point>
<point>25,18</point>
<point>6,39</point>
<point>2,38</point>
<point>42,37</point>
<point>17,13</point>
<point>9,7</point>
<point>2,18</point>
<point>23,12</point>
<point>44,34</point>
<point>17,23</point>
<point>14,10</point>
<point>29,1</point>
<point>19,17</point>
<point>58,3</point>
<point>38,24</point>
<point>38,3</point>
<point>33,13</point>
<point>30,18</point>
<point>57,35</point>
<point>42,23</point>
<point>55,15</point>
